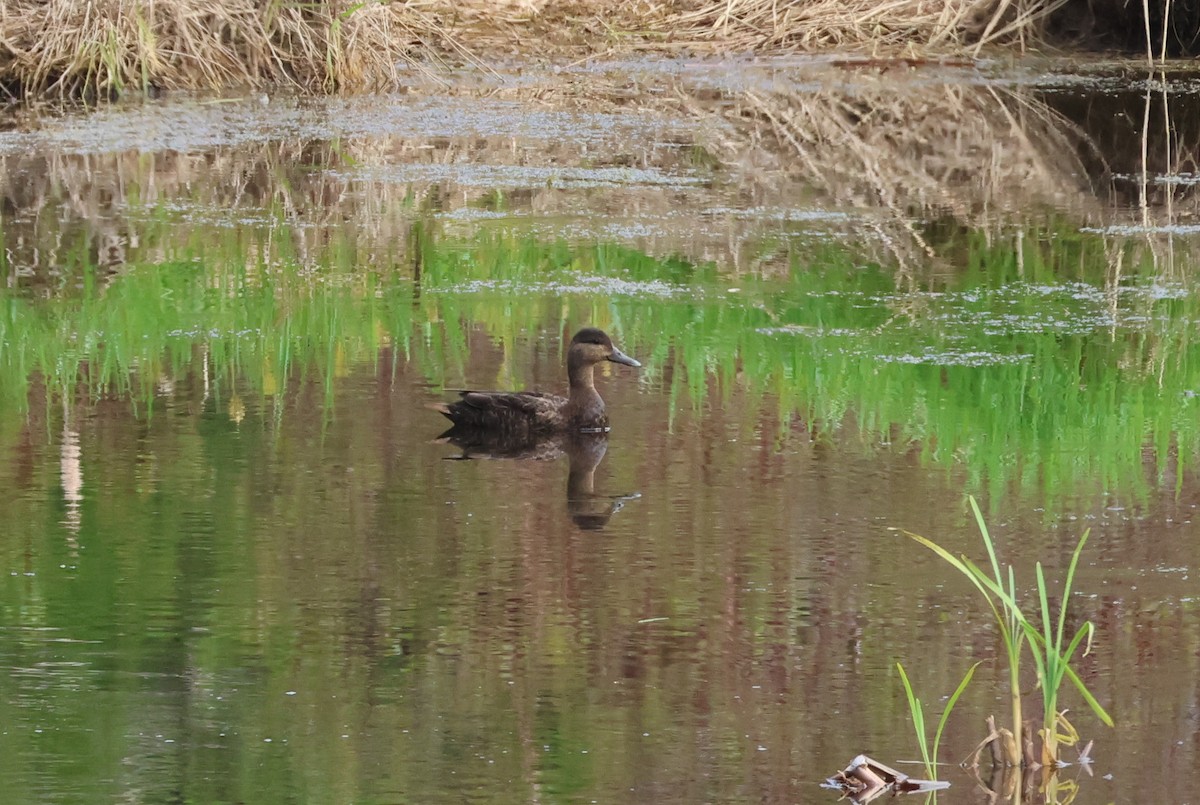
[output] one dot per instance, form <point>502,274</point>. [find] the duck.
<point>536,412</point>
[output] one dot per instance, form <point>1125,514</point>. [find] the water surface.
<point>239,567</point>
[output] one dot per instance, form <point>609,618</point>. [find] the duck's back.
<point>506,410</point>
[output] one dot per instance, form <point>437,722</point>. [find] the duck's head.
<point>591,345</point>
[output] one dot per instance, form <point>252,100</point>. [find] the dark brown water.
<point>231,582</point>
<point>326,608</point>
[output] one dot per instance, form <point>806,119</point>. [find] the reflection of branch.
<point>896,146</point>
<point>919,151</point>
<point>71,477</point>
<point>1169,195</point>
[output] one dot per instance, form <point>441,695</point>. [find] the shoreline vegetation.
<point>100,49</point>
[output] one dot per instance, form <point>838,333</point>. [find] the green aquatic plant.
<point>1053,661</point>
<point>998,591</point>
<point>1044,637</point>
<point>917,710</point>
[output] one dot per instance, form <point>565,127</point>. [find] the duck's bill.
<point>618,356</point>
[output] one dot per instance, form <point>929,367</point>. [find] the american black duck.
<point>537,412</point>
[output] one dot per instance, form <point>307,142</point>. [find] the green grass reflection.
<point>1033,367</point>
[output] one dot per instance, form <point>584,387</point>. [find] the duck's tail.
<point>442,408</point>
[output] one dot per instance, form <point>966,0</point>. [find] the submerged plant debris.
<point>866,779</point>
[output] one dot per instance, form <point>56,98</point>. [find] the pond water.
<point>239,566</point>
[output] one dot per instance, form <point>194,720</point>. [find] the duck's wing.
<point>509,410</point>
<point>528,403</point>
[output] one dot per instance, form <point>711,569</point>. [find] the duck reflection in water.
<point>584,451</point>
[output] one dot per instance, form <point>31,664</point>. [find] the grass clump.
<point>105,47</point>
<point>826,24</point>
<point>1040,632</point>
<point>928,754</point>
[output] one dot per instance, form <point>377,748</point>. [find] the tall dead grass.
<point>918,26</point>
<point>103,47</point>
<point>831,24</point>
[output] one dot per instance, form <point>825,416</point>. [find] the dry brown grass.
<point>831,24</point>
<point>102,47</point>
<point>915,26</point>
